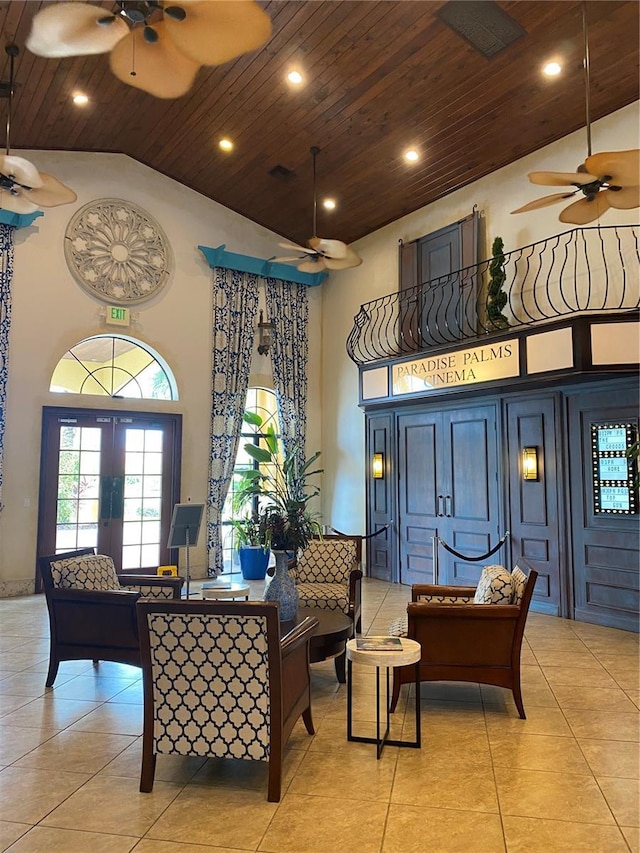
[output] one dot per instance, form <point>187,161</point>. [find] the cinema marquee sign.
<point>463,367</point>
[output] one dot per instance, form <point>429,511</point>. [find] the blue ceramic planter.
<point>254,562</point>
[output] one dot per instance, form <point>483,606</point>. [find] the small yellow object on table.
<point>386,653</point>
<point>167,571</point>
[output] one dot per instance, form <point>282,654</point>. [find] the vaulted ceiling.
<point>380,77</point>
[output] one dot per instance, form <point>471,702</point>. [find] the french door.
<point>109,480</point>
<point>448,483</point>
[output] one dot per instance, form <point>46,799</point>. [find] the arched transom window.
<point>114,366</point>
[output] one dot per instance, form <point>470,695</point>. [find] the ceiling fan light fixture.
<point>183,37</point>
<point>607,179</point>
<point>22,188</point>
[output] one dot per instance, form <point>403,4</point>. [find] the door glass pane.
<point>142,498</point>
<point>77,506</point>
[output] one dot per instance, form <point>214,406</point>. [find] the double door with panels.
<point>109,481</point>
<point>448,483</point>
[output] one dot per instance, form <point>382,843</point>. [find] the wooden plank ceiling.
<point>380,76</point>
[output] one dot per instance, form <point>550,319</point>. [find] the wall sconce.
<point>377,466</point>
<point>265,335</point>
<point>529,463</point>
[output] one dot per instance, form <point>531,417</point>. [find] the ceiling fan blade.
<point>625,199</point>
<point>52,192</point>
<point>313,265</point>
<point>160,68</point>
<point>285,260</point>
<point>213,33</point>
<point>623,167</point>
<point>561,179</point>
<point>584,211</point>
<point>545,201</point>
<point>343,263</point>
<point>329,248</point>
<point>21,170</point>
<point>296,248</point>
<point>16,203</point>
<point>72,29</point>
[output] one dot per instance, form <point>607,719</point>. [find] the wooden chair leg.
<point>54,663</point>
<point>275,778</point>
<point>517,698</point>
<point>340,667</point>
<point>148,772</point>
<point>308,721</point>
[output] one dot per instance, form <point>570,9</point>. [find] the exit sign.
<point>117,316</point>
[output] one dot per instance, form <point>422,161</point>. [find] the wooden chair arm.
<point>450,591</point>
<point>420,610</point>
<point>153,580</point>
<point>298,636</point>
<point>96,596</point>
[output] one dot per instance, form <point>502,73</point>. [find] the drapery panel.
<point>288,308</point>
<point>235,304</point>
<point>6,275</point>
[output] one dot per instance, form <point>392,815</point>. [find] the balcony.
<point>582,271</point>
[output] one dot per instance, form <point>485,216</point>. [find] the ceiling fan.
<point>22,188</point>
<point>604,180</point>
<point>154,46</point>
<point>322,254</point>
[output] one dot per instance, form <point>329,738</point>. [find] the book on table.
<point>379,644</point>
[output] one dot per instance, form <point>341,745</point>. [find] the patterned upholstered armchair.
<point>92,611</point>
<point>220,681</point>
<point>469,634</point>
<point>328,575</point>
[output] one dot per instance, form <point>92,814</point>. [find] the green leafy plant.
<point>281,482</point>
<point>246,533</point>
<point>496,297</point>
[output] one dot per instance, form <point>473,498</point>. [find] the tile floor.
<point>566,779</point>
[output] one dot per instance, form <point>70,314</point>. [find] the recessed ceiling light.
<point>411,155</point>
<point>552,69</point>
<point>80,99</point>
<point>226,144</point>
<point>295,77</point>
<point>329,204</point>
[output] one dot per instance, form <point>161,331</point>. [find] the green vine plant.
<point>496,297</point>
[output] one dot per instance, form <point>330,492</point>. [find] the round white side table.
<point>216,589</point>
<point>383,653</point>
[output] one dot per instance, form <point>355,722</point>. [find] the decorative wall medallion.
<point>117,251</point>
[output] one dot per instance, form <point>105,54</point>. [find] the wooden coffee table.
<point>330,638</point>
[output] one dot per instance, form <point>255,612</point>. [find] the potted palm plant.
<point>281,485</point>
<point>252,552</point>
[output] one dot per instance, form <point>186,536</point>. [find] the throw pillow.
<point>518,583</point>
<point>494,586</point>
<point>91,571</point>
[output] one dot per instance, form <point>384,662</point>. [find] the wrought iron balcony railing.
<point>582,270</point>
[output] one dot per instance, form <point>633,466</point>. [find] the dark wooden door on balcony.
<point>439,278</point>
<point>448,475</point>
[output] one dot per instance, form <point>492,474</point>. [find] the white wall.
<point>51,313</point>
<point>495,196</point>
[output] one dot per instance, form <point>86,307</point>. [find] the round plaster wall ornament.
<point>116,251</point>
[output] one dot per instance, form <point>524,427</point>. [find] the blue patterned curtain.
<point>6,274</point>
<point>235,304</point>
<point>288,309</point>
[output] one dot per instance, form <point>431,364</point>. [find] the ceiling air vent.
<point>282,173</point>
<point>482,23</point>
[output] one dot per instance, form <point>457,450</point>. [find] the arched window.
<point>114,366</point>
<point>261,401</point>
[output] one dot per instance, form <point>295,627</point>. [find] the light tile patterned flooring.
<point>566,779</point>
